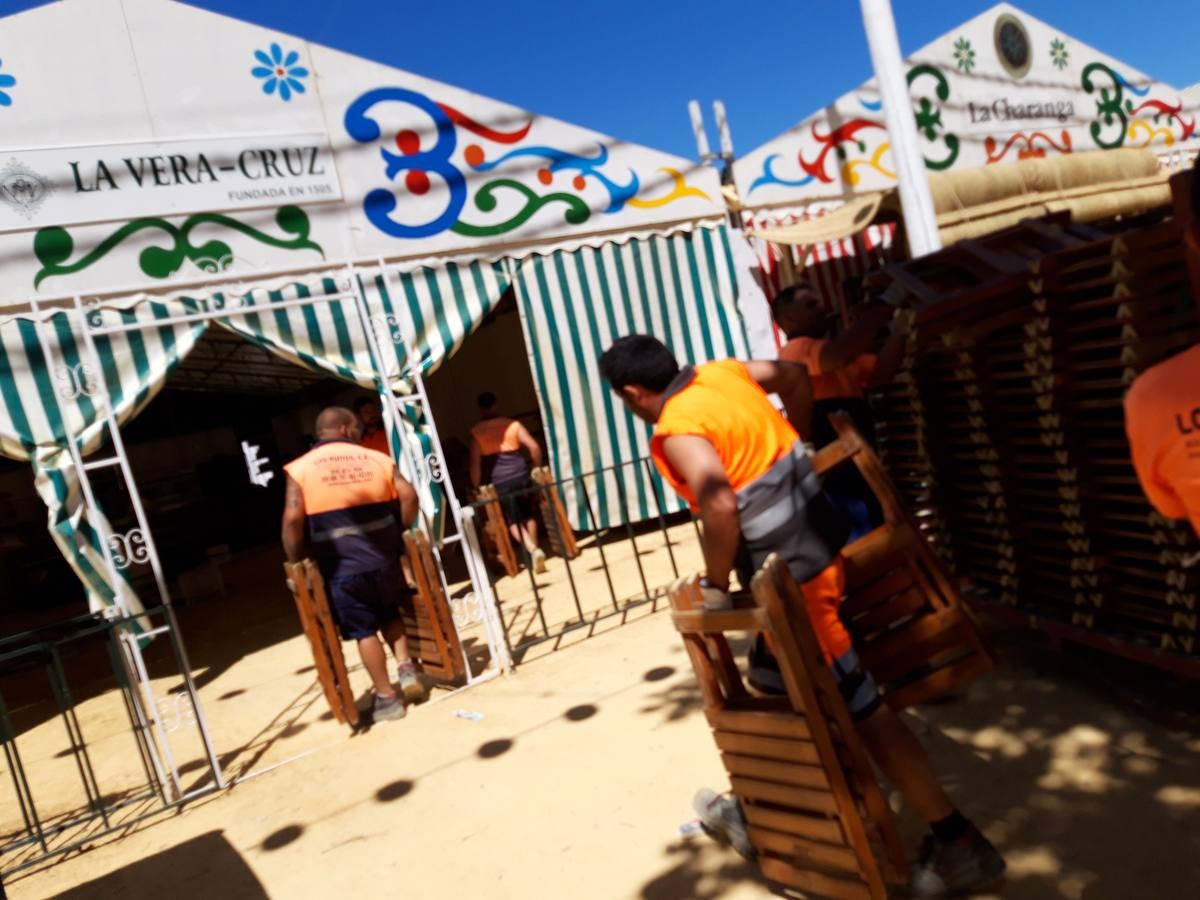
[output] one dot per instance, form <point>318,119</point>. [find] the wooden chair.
<point>554,516</point>
<point>911,628</point>
<point>817,818</point>
<point>432,638</point>
<point>496,538</point>
<point>313,606</point>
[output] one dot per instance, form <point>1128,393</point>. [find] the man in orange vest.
<point>370,418</point>
<point>496,458</point>
<point>723,446</point>
<point>1162,408</point>
<point>841,370</point>
<point>350,505</point>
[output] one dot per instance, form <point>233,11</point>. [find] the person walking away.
<point>841,369</point>
<point>370,418</point>
<point>496,458</point>
<point>722,445</point>
<point>350,505</point>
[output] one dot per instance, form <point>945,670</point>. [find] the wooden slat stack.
<point>1021,376</point>
<point>817,818</point>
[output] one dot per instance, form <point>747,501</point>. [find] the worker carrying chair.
<point>817,818</point>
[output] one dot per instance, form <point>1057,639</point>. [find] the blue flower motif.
<point>280,71</point>
<point>6,81</point>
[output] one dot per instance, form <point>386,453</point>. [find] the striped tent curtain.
<point>48,402</point>
<point>681,288</point>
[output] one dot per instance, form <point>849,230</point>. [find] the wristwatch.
<point>706,583</point>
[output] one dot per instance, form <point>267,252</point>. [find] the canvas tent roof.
<point>152,141</point>
<point>1002,86</point>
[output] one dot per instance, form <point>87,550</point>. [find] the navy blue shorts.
<point>363,604</point>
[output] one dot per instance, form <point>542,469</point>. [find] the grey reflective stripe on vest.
<point>775,517</point>
<point>361,528</point>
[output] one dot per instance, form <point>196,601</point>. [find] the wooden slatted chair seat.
<point>432,638</point>
<point>317,620</point>
<point>912,630</point>
<point>559,533</point>
<point>496,538</point>
<point>816,816</point>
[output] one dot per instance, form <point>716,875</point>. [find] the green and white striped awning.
<point>46,404</point>
<point>682,289</point>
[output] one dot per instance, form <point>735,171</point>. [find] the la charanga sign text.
<point>75,185</point>
<point>1005,110</point>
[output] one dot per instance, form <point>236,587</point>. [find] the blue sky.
<point>628,67</point>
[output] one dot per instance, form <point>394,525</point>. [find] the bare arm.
<point>409,502</point>
<point>855,340</point>
<point>696,461</point>
<point>527,441</point>
<point>790,381</point>
<point>476,464</point>
<point>294,518</point>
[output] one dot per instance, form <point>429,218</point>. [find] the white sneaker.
<point>539,561</point>
<point>723,821</point>
<point>410,684</point>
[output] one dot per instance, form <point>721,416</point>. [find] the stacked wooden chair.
<point>816,815</point>
<point>308,590</point>
<point>557,527</point>
<point>817,818</point>
<point>909,624</point>
<point>432,638</point>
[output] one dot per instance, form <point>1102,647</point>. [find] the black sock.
<point>951,828</point>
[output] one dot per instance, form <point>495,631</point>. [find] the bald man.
<point>350,505</point>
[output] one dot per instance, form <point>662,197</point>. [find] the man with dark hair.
<point>1162,408</point>
<point>370,417</point>
<point>496,458</point>
<point>350,505</point>
<point>724,447</point>
<point>841,370</point>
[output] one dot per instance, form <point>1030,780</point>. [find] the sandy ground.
<point>254,674</point>
<point>581,771</point>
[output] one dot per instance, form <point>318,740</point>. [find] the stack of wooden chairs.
<point>816,816</point>
<point>1006,428</point>
<point>909,624</point>
<point>557,527</point>
<point>432,638</point>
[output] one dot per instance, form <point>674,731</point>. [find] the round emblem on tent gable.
<point>1012,45</point>
<point>23,189</point>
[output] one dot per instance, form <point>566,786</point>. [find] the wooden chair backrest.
<point>912,630</point>
<point>496,538</point>
<point>317,621</point>
<point>554,516</point>
<point>432,638</point>
<point>816,815</point>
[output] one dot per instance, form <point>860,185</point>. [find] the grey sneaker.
<point>971,864</point>
<point>539,561</point>
<point>723,820</point>
<point>388,709</point>
<point>410,683</point>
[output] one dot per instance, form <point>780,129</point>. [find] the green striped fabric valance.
<point>681,288</point>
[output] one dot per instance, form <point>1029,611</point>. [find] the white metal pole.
<point>723,133</point>
<point>698,130</point>
<point>916,202</point>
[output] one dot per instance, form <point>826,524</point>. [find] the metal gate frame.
<point>138,545</point>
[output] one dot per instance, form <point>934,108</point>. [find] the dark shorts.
<point>855,684</point>
<point>518,499</point>
<point>363,604</point>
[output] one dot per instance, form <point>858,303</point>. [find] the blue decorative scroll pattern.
<point>416,165</point>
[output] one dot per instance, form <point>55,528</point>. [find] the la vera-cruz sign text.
<point>75,185</point>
